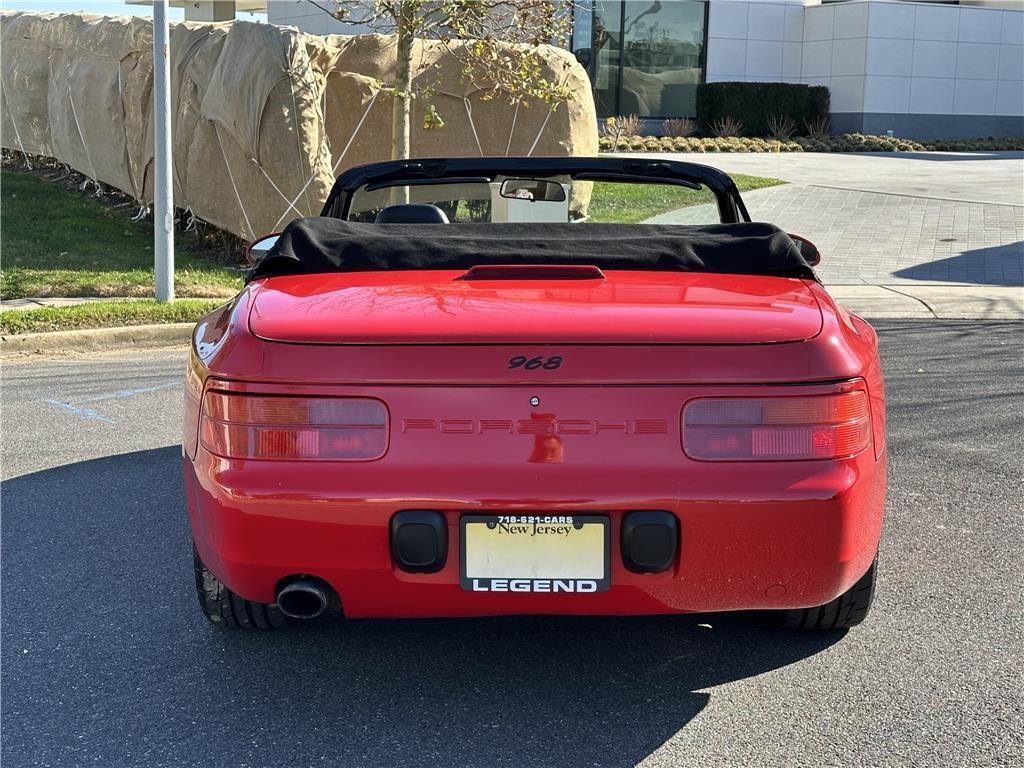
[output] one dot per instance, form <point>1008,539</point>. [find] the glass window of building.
<point>644,58</point>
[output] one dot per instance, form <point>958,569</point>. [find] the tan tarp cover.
<point>264,117</point>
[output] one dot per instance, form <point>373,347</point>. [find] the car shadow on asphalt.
<point>107,660</point>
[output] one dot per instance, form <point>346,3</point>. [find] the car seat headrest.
<point>411,213</point>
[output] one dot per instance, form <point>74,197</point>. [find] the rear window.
<point>547,199</point>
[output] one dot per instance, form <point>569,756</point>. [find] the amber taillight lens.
<point>780,428</point>
<point>240,426</point>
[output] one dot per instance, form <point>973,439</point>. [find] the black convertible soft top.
<point>321,244</point>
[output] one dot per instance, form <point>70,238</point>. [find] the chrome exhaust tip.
<point>304,598</point>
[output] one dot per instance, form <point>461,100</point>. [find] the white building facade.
<point>920,69</point>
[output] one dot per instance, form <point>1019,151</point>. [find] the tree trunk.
<point>401,116</point>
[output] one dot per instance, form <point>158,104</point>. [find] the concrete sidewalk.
<point>944,302</point>
<point>9,304</point>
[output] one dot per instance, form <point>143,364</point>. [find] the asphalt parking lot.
<point>106,660</point>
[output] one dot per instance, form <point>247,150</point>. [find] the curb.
<point>99,339</point>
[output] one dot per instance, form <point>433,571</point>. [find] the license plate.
<point>535,553</point>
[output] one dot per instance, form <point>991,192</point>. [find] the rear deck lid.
<point>623,307</point>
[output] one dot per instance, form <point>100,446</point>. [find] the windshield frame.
<point>731,209</point>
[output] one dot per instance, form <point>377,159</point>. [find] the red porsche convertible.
<point>458,393</point>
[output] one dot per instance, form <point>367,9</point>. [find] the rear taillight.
<point>776,428</point>
<point>240,426</point>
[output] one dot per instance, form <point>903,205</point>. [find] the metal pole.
<point>163,186</point>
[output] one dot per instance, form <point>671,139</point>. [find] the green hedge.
<point>849,142</point>
<point>753,103</point>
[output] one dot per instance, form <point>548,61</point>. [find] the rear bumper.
<point>783,536</point>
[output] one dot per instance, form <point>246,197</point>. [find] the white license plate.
<point>535,553</point>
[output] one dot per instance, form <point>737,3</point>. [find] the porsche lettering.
<point>537,426</point>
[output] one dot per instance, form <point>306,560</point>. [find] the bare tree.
<point>497,43</point>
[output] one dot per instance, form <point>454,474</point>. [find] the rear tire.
<point>224,608</point>
<point>847,610</point>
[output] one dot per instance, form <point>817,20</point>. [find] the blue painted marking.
<point>88,413</point>
<point>91,413</point>
<point>129,392</point>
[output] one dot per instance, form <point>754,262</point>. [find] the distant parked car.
<point>451,395</point>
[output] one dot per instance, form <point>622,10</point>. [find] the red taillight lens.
<point>241,426</point>
<point>776,428</point>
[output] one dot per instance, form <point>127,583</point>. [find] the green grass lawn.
<point>618,203</point>
<point>103,314</point>
<point>60,242</point>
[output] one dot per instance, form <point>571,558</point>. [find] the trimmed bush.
<point>848,142</point>
<point>754,104</point>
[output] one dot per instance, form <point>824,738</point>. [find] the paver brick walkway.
<point>877,238</point>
